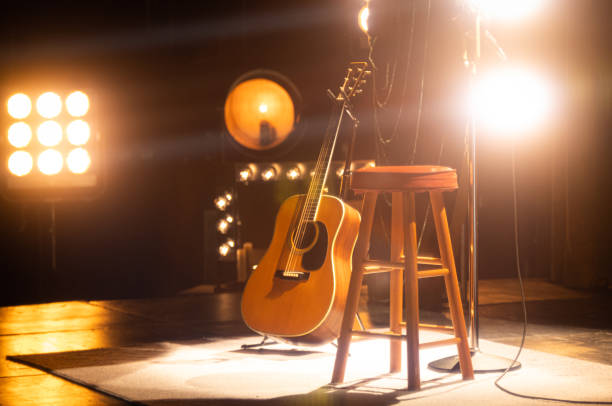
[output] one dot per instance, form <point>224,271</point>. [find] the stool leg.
<point>396,289</point>
<point>452,285</point>
<point>352,300</point>
<point>412,293</point>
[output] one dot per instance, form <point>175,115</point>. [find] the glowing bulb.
<point>229,196</point>
<point>77,104</point>
<point>229,218</point>
<point>78,160</point>
<point>20,163</point>
<point>49,133</point>
<point>364,13</point>
<point>222,226</point>
<point>231,242</point>
<point>19,106</point>
<point>78,132</point>
<point>294,173</point>
<point>19,135</point>
<point>268,174</point>
<point>221,202</point>
<point>50,162</point>
<point>246,175</point>
<point>49,105</point>
<point>224,250</point>
<point>340,171</point>
<point>263,108</point>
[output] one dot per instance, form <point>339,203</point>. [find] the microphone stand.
<point>481,362</point>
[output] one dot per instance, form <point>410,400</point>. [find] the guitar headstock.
<point>355,78</point>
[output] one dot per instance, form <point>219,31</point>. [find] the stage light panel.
<point>19,134</point>
<point>50,162</point>
<point>20,163</point>
<point>505,9</point>
<point>19,106</point>
<point>78,160</point>
<point>77,104</point>
<point>49,133</point>
<point>511,101</point>
<point>78,132</point>
<point>49,105</point>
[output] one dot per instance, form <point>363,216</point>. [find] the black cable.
<point>524,304</point>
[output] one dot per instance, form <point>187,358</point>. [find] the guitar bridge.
<point>291,275</point>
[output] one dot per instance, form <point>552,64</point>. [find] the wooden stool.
<point>404,182</point>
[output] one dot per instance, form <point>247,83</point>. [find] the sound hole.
<point>305,237</point>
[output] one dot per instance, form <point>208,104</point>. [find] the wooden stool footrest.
<point>388,335</point>
<point>440,343</point>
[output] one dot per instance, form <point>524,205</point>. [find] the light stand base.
<point>481,362</point>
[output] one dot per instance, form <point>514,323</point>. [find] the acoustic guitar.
<point>298,291</point>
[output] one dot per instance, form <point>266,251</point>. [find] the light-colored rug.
<point>218,371</point>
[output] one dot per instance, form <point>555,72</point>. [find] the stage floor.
<point>561,321</point>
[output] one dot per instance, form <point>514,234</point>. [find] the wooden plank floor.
<point>79,325</point>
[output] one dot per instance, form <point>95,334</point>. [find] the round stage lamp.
<point>259,113</point>
<point>19,106</point>
<point>78,160</point>
<point>362,18</point>
<point>50,162</point>
<point>77,104</point>
<point>19,135</point>
<point>78,132</point>
<point>20,163</point>
<point>49,105</point>
<point>49,133</point>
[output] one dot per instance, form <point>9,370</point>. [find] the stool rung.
<point>388,335</point>
<point>440,343</point>
<point>430,273</point>
<point>434,327</point>
<point>375,266</point>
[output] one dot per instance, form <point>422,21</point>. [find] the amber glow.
<point>20,163</point>
<point>49,105</point>
<point>364,13</point>
<point>259,114</point>
<point>19,106</point>
<point>19,135</point>
<point>49,133</point>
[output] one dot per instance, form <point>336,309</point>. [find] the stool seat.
<point>418,178</point>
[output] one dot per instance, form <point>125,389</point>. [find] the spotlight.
<point>77,104</point>
<point>231,243</point>
<point>19,135</point>
<point>19,106</point>
<point>229,196</point>
<point>49,105</point>
<point>20,163</point>
<point>229,218</point>
<point>511,101</point>
<point>261,111</point>
<point>50,162</point>
<point>362,18</point>
<point>49,133</point>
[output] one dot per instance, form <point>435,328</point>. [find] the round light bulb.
<point>50,162</point>
<point>77,104</point>
<point>49,105</point>
<point>78,160</point>
<point>19,135</point>
<point>78,132</point>
<point>19,106</point>
<point>364,13</point>
<point>20,163</point>
<point>224,250</point>
<point>49,133</point>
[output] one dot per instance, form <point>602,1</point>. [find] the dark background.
<point>159,73</point>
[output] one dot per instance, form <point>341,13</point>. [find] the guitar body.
<point>298,291</point>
